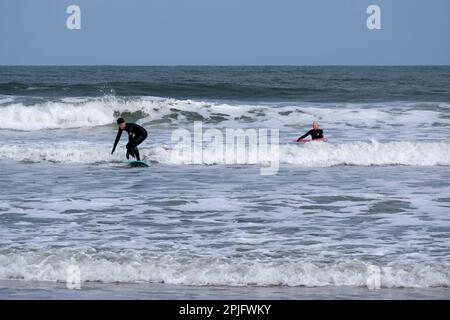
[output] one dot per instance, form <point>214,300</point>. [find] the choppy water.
<point>372,201</point>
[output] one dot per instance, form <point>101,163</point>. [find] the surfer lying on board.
<point>136,134</point>
<point>315,132</point>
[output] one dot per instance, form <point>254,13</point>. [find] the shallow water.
<point>301,227</point>
<point>370,207</point>
<point>10,289</point>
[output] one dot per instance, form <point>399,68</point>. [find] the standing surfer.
<point>136,134</point>
<point>315,132</point>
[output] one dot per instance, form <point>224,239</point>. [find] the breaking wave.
<point>91,112</point>
<point>316,154</point>
<point>132,267</point>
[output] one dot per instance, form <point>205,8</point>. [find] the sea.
<point>364,215</point>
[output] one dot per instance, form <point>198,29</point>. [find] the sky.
<point>225,32</point>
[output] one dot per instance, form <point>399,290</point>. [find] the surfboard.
<point>135,163</point>
<point>308,140</point>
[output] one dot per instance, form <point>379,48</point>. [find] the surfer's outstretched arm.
<point>119,133</point>
<point>304,136</point>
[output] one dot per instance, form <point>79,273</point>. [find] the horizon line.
<point>224,65</point>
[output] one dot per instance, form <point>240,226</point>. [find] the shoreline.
<point>36,290</point>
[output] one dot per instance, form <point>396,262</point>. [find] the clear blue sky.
<point>224,32</point>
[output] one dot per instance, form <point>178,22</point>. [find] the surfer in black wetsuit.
<point>315,132</point>
<point>136,134</point>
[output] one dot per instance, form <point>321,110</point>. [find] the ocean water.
<point>364,215</point>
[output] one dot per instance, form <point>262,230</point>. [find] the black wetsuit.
<point>315,134</point>
<point>136,134</point>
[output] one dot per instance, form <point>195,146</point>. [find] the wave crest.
<point>129,267</point>
<point>314,154</point>
<point>92,112</point>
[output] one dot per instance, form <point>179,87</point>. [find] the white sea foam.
<point>5,99</point>
<point>316,154</point>
<point>92,112</point>
<point>66,152</point>
<point>369,154</point>
<point>132,267</point>
<point>53,115</point>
